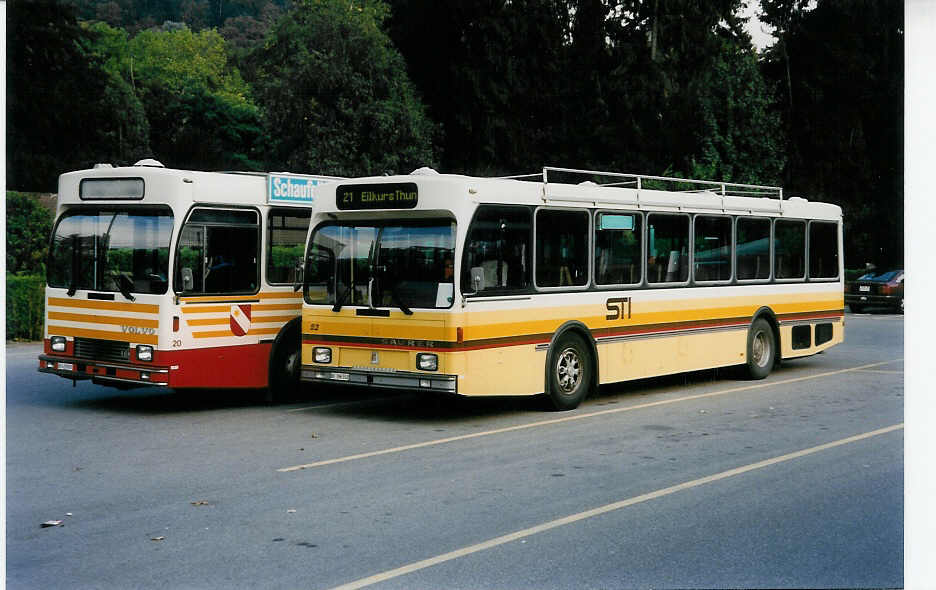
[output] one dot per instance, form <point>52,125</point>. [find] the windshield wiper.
<point>340,301</point>
<point>73,285</point>
<point>124,284</point>
<point>397,300</point>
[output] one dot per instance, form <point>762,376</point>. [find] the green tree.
<point>199,107</point>
<point>336,95</point>
<point>687,82</point>
<point>493,75</point>
<point>28,226</point>
<point>839,70</point>
<point>65,110</point>
<point>179,58</point>
<point>624,85</point>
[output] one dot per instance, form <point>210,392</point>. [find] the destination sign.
<point>292,189</point>
<point>399,195</point>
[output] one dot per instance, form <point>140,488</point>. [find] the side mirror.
<point>299,274</point>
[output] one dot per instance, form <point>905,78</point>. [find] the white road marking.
<point>451,439</point>
<point>572,518</point>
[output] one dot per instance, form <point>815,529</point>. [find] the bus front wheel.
<point>761,349</point>
<point>570,372</point>
<point>284,363</point>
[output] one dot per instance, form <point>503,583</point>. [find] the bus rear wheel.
<point>570,372</point>
<point>761,349</point>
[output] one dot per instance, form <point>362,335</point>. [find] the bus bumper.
<point>104,373</point>
<point>383,379</point>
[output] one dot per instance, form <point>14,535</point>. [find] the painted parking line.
<point>584,416</point>
<point>573,518</point>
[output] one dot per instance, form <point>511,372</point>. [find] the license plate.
<point>66,367</point>
<point>341,376</point>
<point>864,288</point>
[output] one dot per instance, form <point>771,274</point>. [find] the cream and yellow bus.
<point>177,278</point>
<point>512,286</point>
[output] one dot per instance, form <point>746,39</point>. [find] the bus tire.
<point>569,372</point>
<point>284,363</point>
<point>761,349</point>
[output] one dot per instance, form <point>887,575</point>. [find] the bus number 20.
<point>616,306</point>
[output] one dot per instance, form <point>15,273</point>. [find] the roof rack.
<point>688,185</point>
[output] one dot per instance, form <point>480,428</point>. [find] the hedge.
<point>25,306</point>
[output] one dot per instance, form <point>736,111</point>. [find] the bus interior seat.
<point>490,274</point>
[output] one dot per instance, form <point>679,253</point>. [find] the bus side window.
<point>561,248</point>
<point>497,250</point>
<point>218,252</point>
<point>712,248</point>
<point>752,251</point>
<point>287,230</point>
<point>789,249</point>
<point>667,248</point>
<point>823,250</point>
<point>617,248</point>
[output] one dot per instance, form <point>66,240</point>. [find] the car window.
<point>887,276</point>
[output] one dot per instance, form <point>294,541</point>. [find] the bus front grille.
<point>102,350</point>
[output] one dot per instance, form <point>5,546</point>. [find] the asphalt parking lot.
<point>689,481</point>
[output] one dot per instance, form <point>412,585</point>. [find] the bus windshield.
<point>398,263</point>
<point>123,250</point>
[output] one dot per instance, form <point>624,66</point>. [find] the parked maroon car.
<point>885,289</point>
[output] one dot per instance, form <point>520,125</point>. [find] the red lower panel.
<point>225,366</point>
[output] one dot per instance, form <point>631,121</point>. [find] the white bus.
<point>177,278</point>
<point>510,286</point>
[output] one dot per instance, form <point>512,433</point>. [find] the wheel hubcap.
<point>568,370</point>
<point>760,349</point>
<point>292,363</point>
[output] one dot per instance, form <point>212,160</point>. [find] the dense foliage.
<point>843,114</point>
<point>336,95</point>
<point>25,306</point>
<point>27,245</point>
<point>497,86</point>
<point>28,226</point>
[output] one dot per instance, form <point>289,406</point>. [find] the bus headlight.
<point>427,362</point>
<point>322,355</point>
<point>58,343</point>
<point>144,352</point>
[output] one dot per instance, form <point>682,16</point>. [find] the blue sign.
<point>292,189</point>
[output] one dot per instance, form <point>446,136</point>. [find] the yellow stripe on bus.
<point>479,325</point>
<point>279,307</point>
<point>103,335</point>
<point>253,306</point>
<point>101,319</point>
<point>108,305</point>
<point>282,295</point>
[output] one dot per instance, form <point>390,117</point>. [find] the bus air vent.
<point>150,163</point>
<point>102,350</point>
